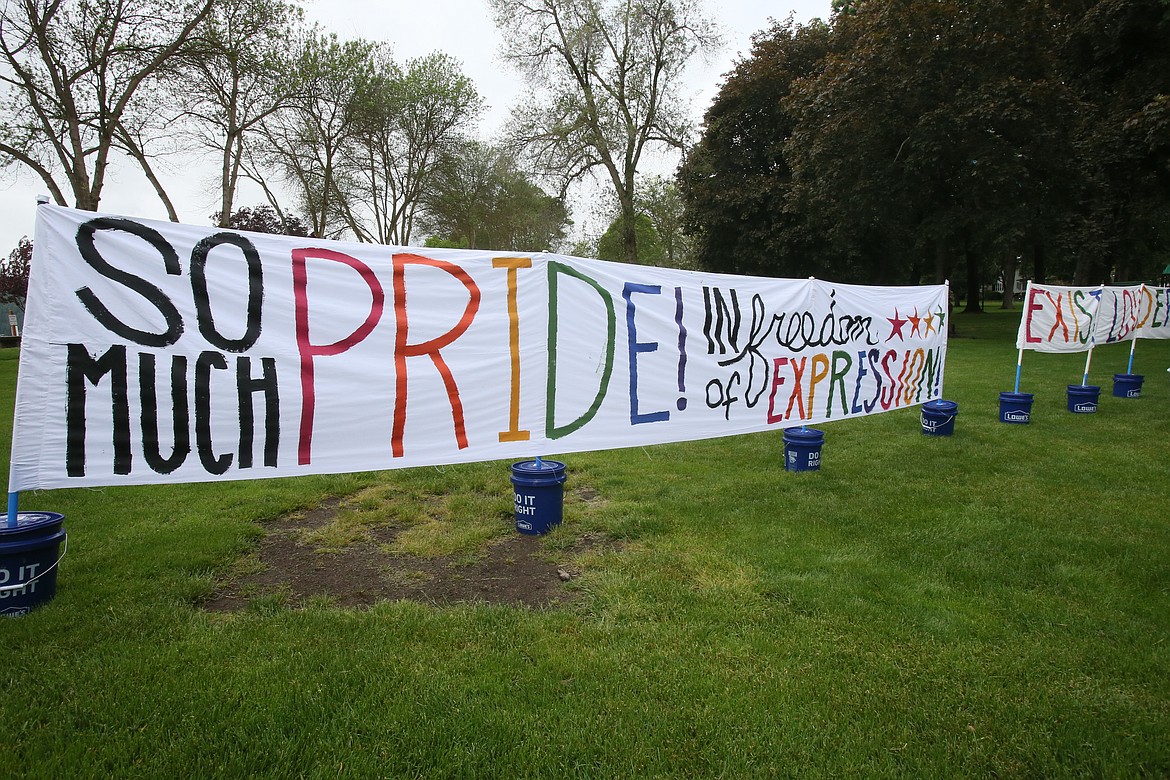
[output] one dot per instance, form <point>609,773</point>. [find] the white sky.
<point>462,28</point>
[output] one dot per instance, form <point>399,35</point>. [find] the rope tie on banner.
<point>20,585</point>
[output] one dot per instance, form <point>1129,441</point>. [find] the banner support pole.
<point>1019,367</point>
<point>1132,347</point>
<point>13,503</point>
<point>1088,359</point>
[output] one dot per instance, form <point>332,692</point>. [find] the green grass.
<point>996,603</point>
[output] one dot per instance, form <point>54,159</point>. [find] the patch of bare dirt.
<point>514,570</point>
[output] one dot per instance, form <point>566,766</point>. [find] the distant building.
<point>1019,287</point>
<point>11,319</point>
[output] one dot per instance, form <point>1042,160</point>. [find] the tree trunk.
<point>942,260</point>
<point>974,281</point>
<point>1010,264</point>
<point>1039,264</point>
<point>629,233</point>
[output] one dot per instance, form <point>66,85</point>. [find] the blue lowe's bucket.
<point>1082,399</point>
<point>28,561</point>
<point>938,417</point>
<point>1015,408</point>
<point>1128,385</point>
<point>538,487</point>
<point>802,449</point>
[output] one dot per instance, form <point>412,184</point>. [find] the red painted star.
<point>897,323</point>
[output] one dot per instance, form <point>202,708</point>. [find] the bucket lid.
<point>32,521</point>
<point>803,434</point>
<point>541,466</point>
<point>939,405</point>
<point>1084,389</point>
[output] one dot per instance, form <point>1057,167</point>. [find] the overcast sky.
<point>462,28</point>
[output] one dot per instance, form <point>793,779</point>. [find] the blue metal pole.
<point>1132,347</point>
<point>13,502</point>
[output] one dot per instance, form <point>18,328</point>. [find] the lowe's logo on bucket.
<point>792,457</point>
<point>1085,408</point>
<point>1135,393</point>
<point>1016,416</point>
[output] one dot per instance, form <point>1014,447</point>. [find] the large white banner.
<point>157,352</point>
<point>1075,319</point>
<point>1059,319</point>
<point>1151,313</point>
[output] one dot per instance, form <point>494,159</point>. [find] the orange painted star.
<point>915,323</point>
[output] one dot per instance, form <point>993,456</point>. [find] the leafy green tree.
<point>74,73</point>
<point>659,199</point>
<point>406,119</point>
<point>736,182</point>
<point>1115,57</point>
<point>605,77</point>
<point>236,76</point>
<point>944,123</point>
<point>262,219</point>
<point>480,198</point>
<point>919,139</point>
<point>14,272</point>
<point>611,245</point>
<point>306,141</point>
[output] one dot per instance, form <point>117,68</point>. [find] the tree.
<point>604,76</point>
<point>946,124</point>
<point>650,250</point>
<point>261,219</point>
<point>405,119</point>
<point>236,77</point>
<point>1114,56</point>
<point>306,141</point>
<point>659,199</point>
<point>14,272</point>
<point>478,198</point>
<point>74,71</point>
<point>736,183</point>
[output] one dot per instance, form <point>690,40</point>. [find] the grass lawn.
<point>996,603</point>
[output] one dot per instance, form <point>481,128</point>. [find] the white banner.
<point>1134,312</point>
<point>157,352</point>
<point>1153,313</point>
<point>1058,319</point>
<point>1074,319</point>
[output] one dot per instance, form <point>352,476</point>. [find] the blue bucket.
<point>1128,385</point>
<point>28,561</point>
<point>1082,399</point>
<point>1015,408</point>
<point>938,417</point>
<point>802,449</point>
<point>538,487</point>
